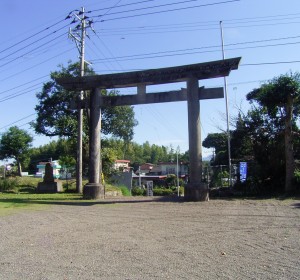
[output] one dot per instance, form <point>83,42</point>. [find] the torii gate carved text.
<point>195,190</point>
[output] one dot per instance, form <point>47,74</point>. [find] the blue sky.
<point>133,35</point>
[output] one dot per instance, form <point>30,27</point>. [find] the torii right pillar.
<point>195,190</point>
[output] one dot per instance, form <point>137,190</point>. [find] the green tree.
<point>268,148</point>
<point>67,163</point>
<point>279,100</point>
<point>15,143</point>
<point>53,150</point>
<point>241,142</point>
<point>217,141</point>
<point>55,117</point>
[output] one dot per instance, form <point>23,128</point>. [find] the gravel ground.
<point>130,238</point>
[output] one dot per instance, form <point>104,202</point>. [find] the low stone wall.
<point>113,193</point>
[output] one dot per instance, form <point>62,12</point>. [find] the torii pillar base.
<point>93,191</point>
<point>196,192</point>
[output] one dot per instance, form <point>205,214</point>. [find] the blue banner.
<point>243,171</point>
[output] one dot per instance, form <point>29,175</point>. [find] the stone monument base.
<point>50,187</point>
<point>196,192</point>
<point>93,191</point>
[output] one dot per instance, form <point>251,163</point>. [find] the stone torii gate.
<point>195,190</point>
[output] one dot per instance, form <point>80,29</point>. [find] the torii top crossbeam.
<point>201,71</point>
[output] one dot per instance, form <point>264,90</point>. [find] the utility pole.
<point>177,171</point>
<point>79,39</point>
<point>227,110</point>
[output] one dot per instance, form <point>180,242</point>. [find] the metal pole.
<point>177,173</point>
<point>80,111</point>
<point>140,179</point>
<point>227,111</point>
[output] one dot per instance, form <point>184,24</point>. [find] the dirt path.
<point>130,239</point>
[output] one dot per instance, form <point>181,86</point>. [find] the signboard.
<point>149,188</point>
<point>243,171</point>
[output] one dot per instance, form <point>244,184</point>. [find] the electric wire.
<point>32,43</point>
<point>16,87</point>
<point>17,95</point>
<point>165,11</point>
<point>22,90</point>
<point>34,66</point>
<point>208,23</point>
<point>198,52</point>
<point>123,5</point>
<point>109,51</point>
<point>16,58</point>
<point>163,30</point>
<point>270,63</point>
<point>142,1</point>
<point>22,119</point>
<point>30,37</point>
<point>249,64</point>
<point>112,7</point>
<point>150,7</point>
<point>241,65</point>
<point>208,47</point>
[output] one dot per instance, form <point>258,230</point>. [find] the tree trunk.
<point>289,153</point>
<point>19,168</point>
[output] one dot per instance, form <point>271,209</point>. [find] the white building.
<point>122,165</point>
<point>41,169</point>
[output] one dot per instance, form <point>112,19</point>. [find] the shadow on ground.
<point>81,202</point>
<point>296,205</point>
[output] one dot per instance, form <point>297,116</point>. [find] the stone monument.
<point>49,185</point>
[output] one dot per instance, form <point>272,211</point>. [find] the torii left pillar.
<point>195,190</point>
<point>94,189</point>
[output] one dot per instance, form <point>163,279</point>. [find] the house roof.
<point>146,166</point>
<point>122,161</point>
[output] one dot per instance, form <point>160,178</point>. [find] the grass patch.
<point>13,202</point>
<point>124,190</point>
<point>21,195</point>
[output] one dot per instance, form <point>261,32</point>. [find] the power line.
<point>157,29</point>
<point>112,7</point>
<point>31,67</point>
<point>270,63</point>
<point>32,50</point>
<point>22,119</point>
<point>210,22</point>
<point>109,51</point>
<point>151,7</point>
<point>123,5</point>
<point>165,11</point>
<point>263,17</point>
<point>16,95</point>
<point>3,92</point>
<point>30,37</point>
<point>32,43</point>
<point>191,51</point>
<point>241,65</point>
<point>22,90</point>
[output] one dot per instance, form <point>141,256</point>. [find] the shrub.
<point>181,191</point>
<point>162,192</point>
<point>297,176</point>
<point>125,191</point>
<point>9,184</point>
<point>136,191</point>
